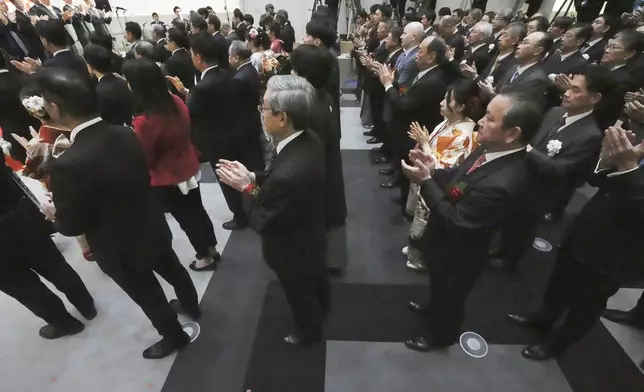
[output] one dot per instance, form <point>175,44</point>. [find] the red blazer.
<point>166,141</point>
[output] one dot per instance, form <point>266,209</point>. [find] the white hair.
<point>484,28</point>
<point>415,28</point>
<point>292,95</point>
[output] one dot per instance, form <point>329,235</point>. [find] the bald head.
<point>431,52</point>
<point>412,35</point>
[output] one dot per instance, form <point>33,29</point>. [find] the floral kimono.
<point>450,144</point>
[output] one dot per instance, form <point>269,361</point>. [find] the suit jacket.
<point>101,188</point>
<point>558,175</point>
<point>595,53</point>
<point>371,82</point>
<point>211,103</point>
<point>287,34</point>
<point>14,118</point>
<point>41,10</point>
<point>555,47</point>
<point>333,86</point>
<point>489,199</point>
<point>79,26</point>
<point>288,212</point>
<point>161,54</point>
<point>223,45</point>
<point>10,196</point>
<point>573,64</point>
<point>9,44</point>
<point>406,69</point>
<point>611,106</point>
<point>533,82</point>
<point>180,65</point>
<point>115,100</point>
<point>117,63</point>
<point>69,60</point>
<point>421,103</point>
<point>607,234</point>
<point>30,36</point>
<point>322,122</point>
<point>480,58</point>
<point>430,31</point>
<point>457,42</point>
<point>246,87</point>
<point>499,71</point>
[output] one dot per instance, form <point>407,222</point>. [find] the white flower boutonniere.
<point>490,47</point>
<point>490,79</point>
<point>554,146</point>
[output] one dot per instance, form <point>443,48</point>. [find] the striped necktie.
<point>497,61</point>
<point>515,75</point>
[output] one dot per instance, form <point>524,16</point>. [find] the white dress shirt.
<point>420,75</point>
<point>4,71</point>
<point>280,146</point>
<point>565,56</point>
<point>475,48</point>
<point>82,126</point>
<point>524,68</point>
<point>59,51</point>
<point>207,69</point>
<point>490,156</point>
<point>573,119</point>
<point>178,49</point>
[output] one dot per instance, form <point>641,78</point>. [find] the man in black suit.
<point>373,87</point>
<point>287,33</point>
<point>527,75</point>
<point>452,38</point>
<point>105,41</point>
<point>566,61</point>
<point>77,20</point>
<point>468,202</point>
<point>420,102</point>
<point>179,64</point>
<point>132,35</point>
<point>286,205</point>
<point>214,25</point>
<point>248,124</point>
<point>43,8</point>
<point>115,101</point>
<point>28,31</point>
<point>477,53</point>
<point>557,30</point>
<point>14,119</point>
<point>427,19</point>
<point>212,107</point>
<point>54,38</point>
<point>161,53</point>
<point>600,253</point>
<point>27,253</point>
<point>101,188</point>
<point>502,19</point>
<point>560,157</point>
<point>593,50</point>
<point>238,27</point>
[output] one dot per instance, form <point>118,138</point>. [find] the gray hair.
<point>241,49</point>
<point>505,14</point>
<point>292,95</point>
<point>517,30</point>
<point>484,28</point>
<point>158,31</point>
<point>416,28</point>
<point>476,14</point>
<point>144,49</point>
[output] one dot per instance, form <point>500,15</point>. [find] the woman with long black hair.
<point>162,123</point>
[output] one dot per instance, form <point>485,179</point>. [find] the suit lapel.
<point>524,74</point>
<point>543,133</point>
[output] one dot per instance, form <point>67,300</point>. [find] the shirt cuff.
<point>624,172</point>
<point>252,177</point>
<point>388,86</point>
<point>597,168</point>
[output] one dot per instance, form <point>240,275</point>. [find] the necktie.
<point>19,42</point>
<point>477,163</point>
<point>497,61</point>
<point>585,48</point>
<point>553,131</point>
<point>515,75</point>
<point>400,59</point>
<point>273,156</point>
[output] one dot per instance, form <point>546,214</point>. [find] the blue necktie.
<point>515,75</point>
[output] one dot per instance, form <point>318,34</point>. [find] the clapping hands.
<point>619,149</point>
<point>28,66</point>
<point>178,84</point>
<point>424,165</point>
<point>563,82</point>
<point>418,134</point>
<point>386,74</point>
<point>233,174</point>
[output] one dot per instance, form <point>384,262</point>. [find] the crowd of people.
<point>489,122</point>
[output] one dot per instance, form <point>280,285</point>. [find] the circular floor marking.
<point>192,329</point>
<point>542,245</point>
<point>473,344</point>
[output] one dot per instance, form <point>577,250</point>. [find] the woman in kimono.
<point>450,143</point>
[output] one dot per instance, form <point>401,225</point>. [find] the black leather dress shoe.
<point>50,332</point>
<point>422,344</point>
<point>165,347</point>
<point>530,321</point>
<point>368,133</point>
<point>389,184</point>
<point>176,306</point>
<point>295,339</point>
<point>210,267</point>
<point>624,317</point>
<point>89,314</point>
<point>373,140</point>
<point>419,308</point>
<point>377,149</point>
<point>234,225</point>
<point>386,172</point>
<point>381,160</point>
<point>540,352</point>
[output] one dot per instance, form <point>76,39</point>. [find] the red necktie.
<point>477,163</point>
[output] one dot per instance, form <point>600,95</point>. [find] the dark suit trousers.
<point>517,237</point>
<point>377,102</point>
<point>189,212</point>
<point>146,291</point>
<point>309,298</point>
<point>233,200</point>
<point>578,289</point>
<point>448,290</point>
<point>33,253</point>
